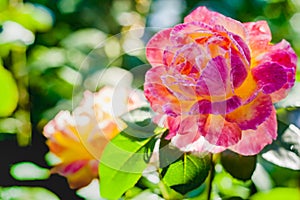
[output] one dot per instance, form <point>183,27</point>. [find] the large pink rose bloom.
<point>214,80</point>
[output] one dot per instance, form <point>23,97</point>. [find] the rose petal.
<point>214,80</point>
<point>284,55</point>
<point>156,92</point>
<point>216,108</point>
<point>185,59</point>
<point>188,130</point>
<point>182,86</point>
<point>220,132</point>
<point>253,141</point>
<point>248,89</point>
<point>173,124</point>
<point>156,46</point>
<point>73,167</point>
<point>238,71</point>
<point>251,115</point>
<point>186,33</point>
<point>241,46</point>
<point>201,145</point>
<point>270,76</point>
<point>202,14</point>
<point>259,36</point>
<point>77,174</point>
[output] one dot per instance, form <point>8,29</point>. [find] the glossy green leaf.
<point>122,163</point>
<point>187,173</point>
<point>167,153</point>
<point>278,194</point>
<point>240,167</point>
<point>229,187</point>
<point>139,123</point>
<point>285,152</point>
<point>9,94</point>
<point>32,16</point>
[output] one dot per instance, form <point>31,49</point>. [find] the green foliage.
<point>278,194</point>
<point>167,153</point>
<point>122,164</point>
<point>187,173</point>
<point>228,186</point>
<point>9,94</point>
<point>67,43</point>
<point>240,167</point>
<point>285,151</point>
<point>29,171</point>
<point>139,123</point>
<point>22,193</point>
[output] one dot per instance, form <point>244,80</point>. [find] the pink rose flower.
<point>78,139</point>
<point>214,80</point>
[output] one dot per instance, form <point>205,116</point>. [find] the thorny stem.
<point>211,177</point>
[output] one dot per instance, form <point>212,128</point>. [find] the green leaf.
<point>278,194</point>
<point>139,123</point>
<point>228,186</point>
<point>187,173</point>
<point>285,151</point>
<point>122,163</point>
<point>240,167</point>
<point>167,153</point>
<point>9,95</point>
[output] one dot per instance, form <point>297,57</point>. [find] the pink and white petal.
<point>188,130</point>
<point>202,14</point>
<point>182,34</point>
<point>214,80</point>
<point>171,109</point>
<point>63,123</point>
<point>219,107</point>
<point>187,55</point>
<point>201,145</point>
<point>172,123</point>
<point>253,141</point>
<point>70,168</point>
<point>259,37</point>
<point>242,47</point>
<point>283,54</point>
<point>219,132</point>
<point>156,46</point>
<point>280,94</point>
<point>182,86</point>
<point>239,70</point>
<point>270,76</point>
<point>155,91</point>
<point>251,115</point>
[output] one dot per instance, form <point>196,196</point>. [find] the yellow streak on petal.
<point>247,88</point>
<point>81,178</point>
<point>73,150</point>
<point>199,35</point>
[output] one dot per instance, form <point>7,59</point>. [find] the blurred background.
<point>52,50</point>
